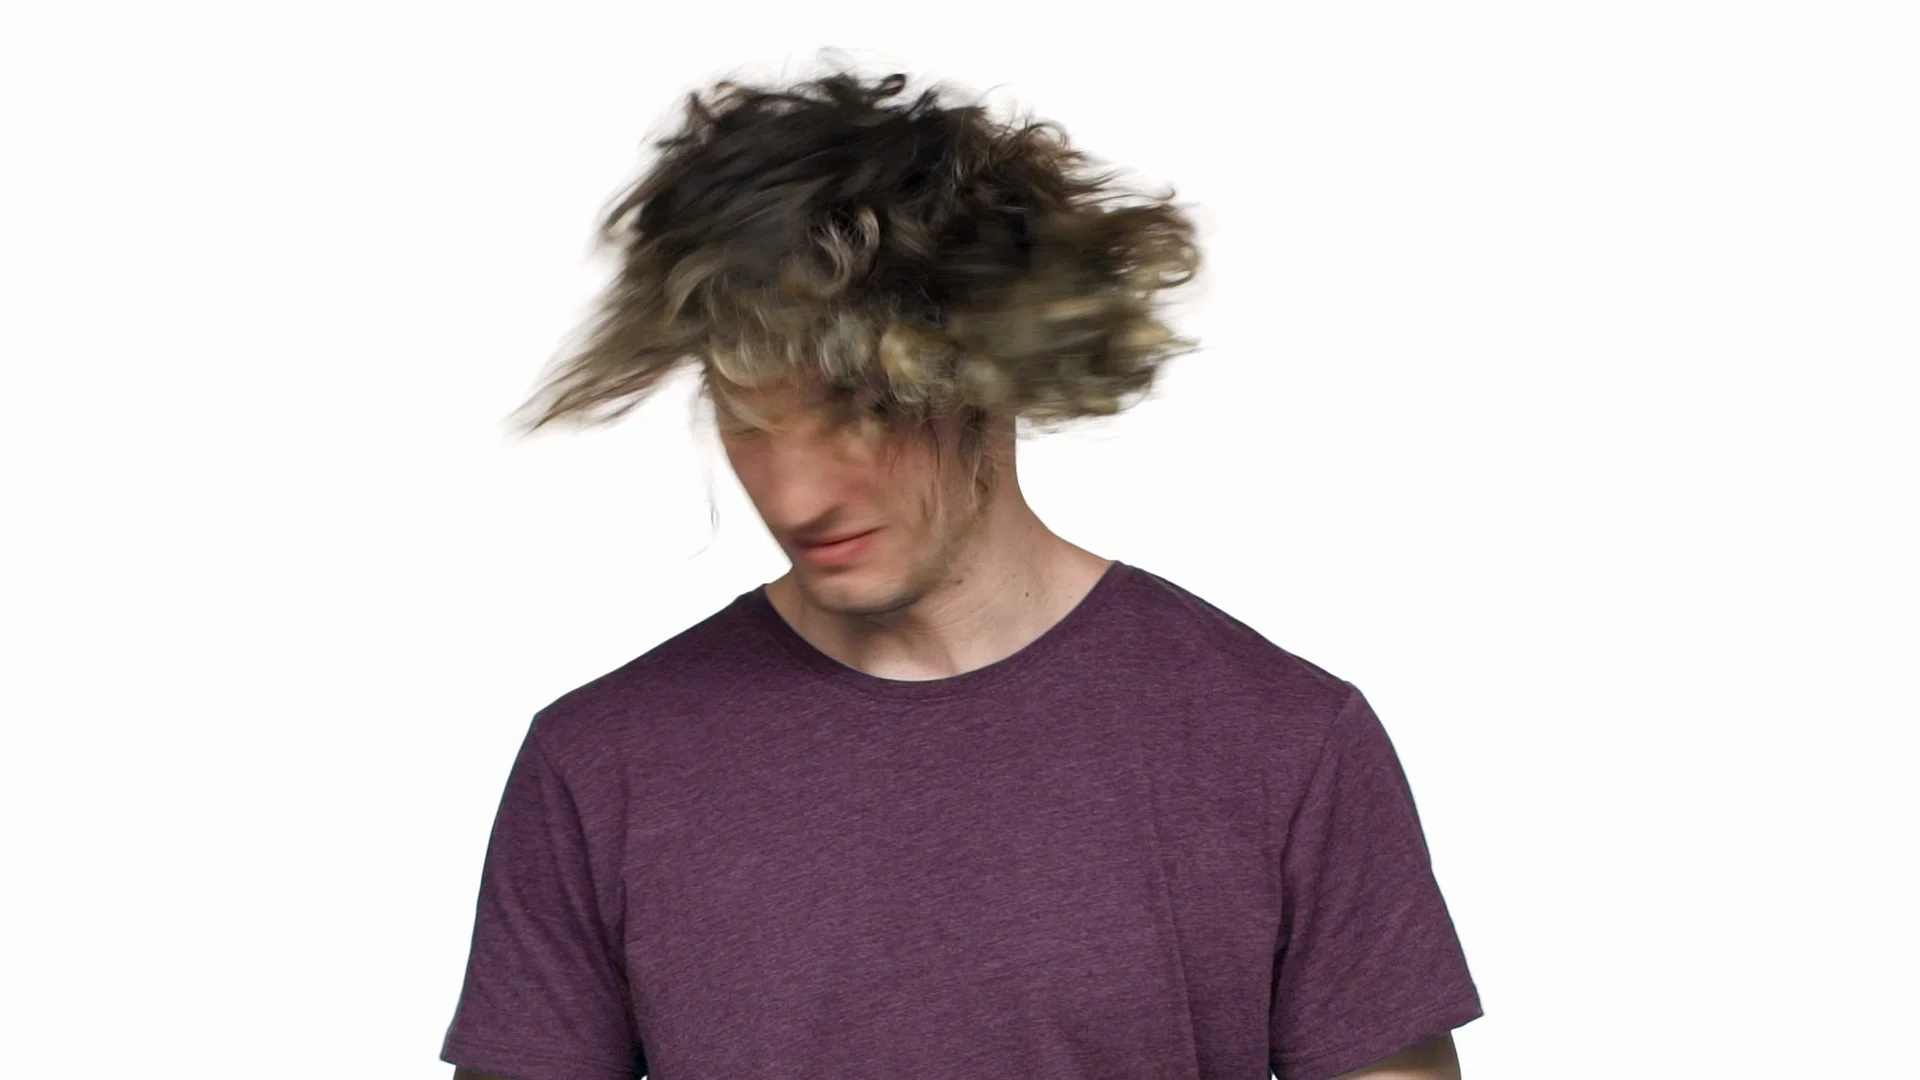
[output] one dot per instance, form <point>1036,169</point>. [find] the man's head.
<point>823,466</point>
<point>872,293</point>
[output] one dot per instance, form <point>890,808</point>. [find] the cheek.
<point>903,483</point>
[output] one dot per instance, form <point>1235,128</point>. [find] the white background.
<point>1558,390</point>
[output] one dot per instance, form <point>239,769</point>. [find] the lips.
<point>843,551</point>
<point>832,539</point>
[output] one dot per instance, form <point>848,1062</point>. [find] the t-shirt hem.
<point>1404,1033</point>
<point>523,1063</point>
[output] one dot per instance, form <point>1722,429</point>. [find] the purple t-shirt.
<point>1150,845</point>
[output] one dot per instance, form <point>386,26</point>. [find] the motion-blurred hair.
<point>912,252</point>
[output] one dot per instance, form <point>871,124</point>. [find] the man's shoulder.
<point>1215,644</point>
<point>676,674</point>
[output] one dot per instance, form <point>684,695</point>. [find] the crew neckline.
<point>1051,642</point>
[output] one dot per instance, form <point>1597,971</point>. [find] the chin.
<point>865,590</point>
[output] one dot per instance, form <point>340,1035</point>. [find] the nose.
<point>801,479</point>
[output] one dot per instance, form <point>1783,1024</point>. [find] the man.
<point>953,797</point>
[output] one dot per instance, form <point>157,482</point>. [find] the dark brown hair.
<point>915,252</point>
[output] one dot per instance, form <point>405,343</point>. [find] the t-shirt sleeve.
<point>1368,962</point>
<point>545,996</point>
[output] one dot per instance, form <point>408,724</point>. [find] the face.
<point>814,476</point>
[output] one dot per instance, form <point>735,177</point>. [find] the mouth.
<point>837,551</point>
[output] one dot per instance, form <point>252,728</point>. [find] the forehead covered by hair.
<point>911,248</point>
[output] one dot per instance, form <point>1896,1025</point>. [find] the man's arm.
<point>1435,1059</point>
<point>468,1074</point>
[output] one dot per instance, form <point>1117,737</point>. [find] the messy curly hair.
<point>917,253</point>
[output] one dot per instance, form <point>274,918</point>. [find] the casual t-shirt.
<point>1150,844</point>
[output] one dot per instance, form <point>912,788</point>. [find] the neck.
<point>1007,584</point>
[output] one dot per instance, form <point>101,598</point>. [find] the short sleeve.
<point>1368,962</point>
<point>545,995</point>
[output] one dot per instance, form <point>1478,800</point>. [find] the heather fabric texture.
<point>1149,845</point>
